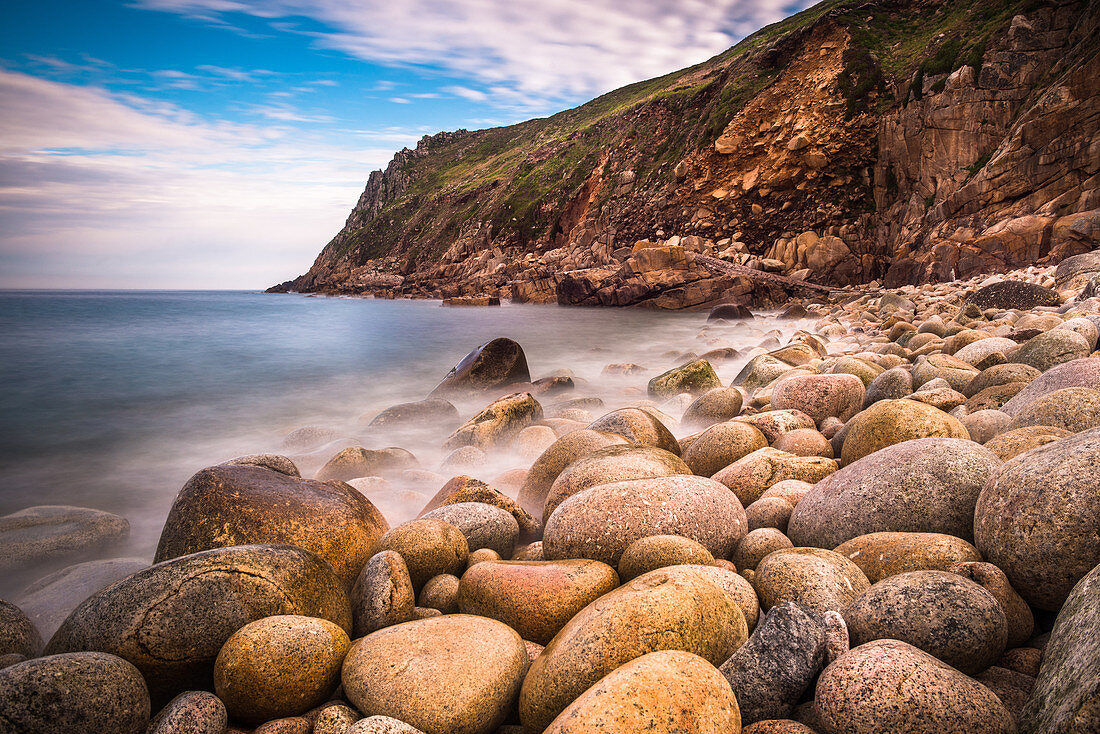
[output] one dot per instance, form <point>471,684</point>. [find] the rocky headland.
<point>887,522</point>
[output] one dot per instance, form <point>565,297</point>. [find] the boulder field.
<point>883,519</point>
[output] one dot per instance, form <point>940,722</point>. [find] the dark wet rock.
<point>946,615</point>
<point>463,489</point>
<point>75,692</point>
<point>664,692</point>
<point>191,712</point>
<point>435,412</point>
<point>1038,519</point>
<point>729,312</point>
<point>219,590</point>
<point>383,595</point>
<point>1066,697</point>
<point>498,423</point>
<point>1009,294</point>
<point>429,546</point>
<point>56,531</point>
<point>599,523</point>
<point>535,598</point>
<point>891,686</point>
<point>356,461</point>
<point>694,378</point>
<point>493,364</point>
<point>484,526</point>
<point>1078,373</point>
<point>771,671</point>
<point>454,674</point>
<point>274,462</point>
<point>928,485</point>
<point>713,406</point>
<point>242,505</point>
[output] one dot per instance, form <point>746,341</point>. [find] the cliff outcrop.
<point>897,141</point>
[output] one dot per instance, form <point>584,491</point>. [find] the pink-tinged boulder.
<point>820,396</point>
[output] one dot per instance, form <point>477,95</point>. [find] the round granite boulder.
<point>658,551</point>
<point>432,411</point>
<point>611,464</point>
<point>1015,442</point>
<point>890,422</point>
<point>818,579</point>
<point>356,461</point>
<point>1038,519</point>
<point>891,686</point>
<point>383,594</point>
<point>1078,373</point>
<point>929,485</point>
<point>54,531</point>
<point>944,614</point>
<point>664,692</point>
<point>639,426</point>
<point>713,406</point>
<point>694,378</point>
<point>756,545</point>
<point>820,396</point>
<point>750,476</point>
<point>535,598</point>
<point>1052,348</point>
<point>453,674</point>
<point>721,445</point>
<point>73,692</point>
<point>1075,409</point>
<point>279,666</point>
<point>881,555</point>
<point>484,525</point>
<point>1000,375</point>
<point>17,634</point>
<point>893,384</point>
<point>493,364</point>
<point>1010,294</point>
<point>675,608</point>
<point>217,592</point>
<point>241,505</point>
<point>601,522</point>
<point>1020,621</point>
<point>429,547</point>
<point>193,712</point>
<point>554,460</point>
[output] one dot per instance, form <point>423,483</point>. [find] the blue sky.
<point>221,143</point>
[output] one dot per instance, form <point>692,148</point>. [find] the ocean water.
<point>112,399</point>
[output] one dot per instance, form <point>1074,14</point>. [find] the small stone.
<point>820,396</point>
<point>837,641</point>
<point>382,725</point>
<point>356,461</point>
<point>440,592</point>
<point>639,426</point>
<point>769,512</point>
<point>335,719</point>
<point>463,489</point>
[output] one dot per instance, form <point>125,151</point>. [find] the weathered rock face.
<point>243,505</point>
<point>221,590</point>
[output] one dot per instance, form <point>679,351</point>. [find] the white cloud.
<point>544,50</point>
<point>400,100</point>
<point>100,190</point>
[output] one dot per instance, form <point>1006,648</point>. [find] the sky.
<point>220,144</point>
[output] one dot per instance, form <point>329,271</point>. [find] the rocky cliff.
<point>896,141</point>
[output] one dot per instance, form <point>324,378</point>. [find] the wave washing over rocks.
<point>889,521</point>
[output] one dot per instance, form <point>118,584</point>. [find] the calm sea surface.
<point>112,399</point>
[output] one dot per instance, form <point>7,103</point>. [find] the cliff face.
<point>886,139</point>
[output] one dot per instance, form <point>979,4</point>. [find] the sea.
<point>112,399</point>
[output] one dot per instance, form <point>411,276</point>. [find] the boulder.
<point>805,442</point>
<point>463,489</point>
<point>1052,348</point>
<point>73,692</point>
<point>279,666</point>
<point>774,423</point>
<point>756,545</point>
<point>275,462</point>
<point>429,547</point>
<point>1038,518</point>
<point>241,505</point>
<point>218,591</point>
<point>890,422</point>
<point>1020,622</point>
<point>1009,294</point>
<point>891,686</point>
<point>713,406</point>
<point>820,396</point>
<point>18,635</point>
<point>750,476</point>
<point>356,461</point>
<point>494,364</point>
<point>721,445</point>
<point>944,614</point>
<point>886,554</point>
<point>928,485</point>
<point>1074,409</point>
<point>760,371</point>
<point>484,526</point>
<point>729,312</point>
<point>664,692</point>
<point>498,423</point>
<point>694,378</point>
<point>819,579</point>
<point>611,464</point>
<point>675,608</point>
<point>535,598</point>
<point>440,593</point>
<point>435,412</point>
<point>638,426</point>
<point>893,384</point>
<point>193,712</point>
<point>1078,373</point>
<point>771,671</point>
<point>601,522</point>
<point>335,718</point>
<point>1066,697</point>
<point>56,531</point>
<point>454,674</point>
<point>658,551</point>
<point>1015,442</point>
<point>1000,375</point>
<point>383,594</point>
<point>562,453</point>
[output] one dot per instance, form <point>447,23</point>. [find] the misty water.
<point>111,400</point>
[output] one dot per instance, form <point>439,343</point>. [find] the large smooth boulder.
<point>498,423</point>
<point>54,531</point>
<point>750,476</point>
<point>664,692</point>
<point>1052,348</point>
<point>74,692</point>
<point>600,522</point>
<point>554,460</point>
<point>713,406</point>
<point>639,426</point>
<point>658,551</point>
<point>771,671</point>
<point>885,554</point>
<point>1038,519</point>
<point>928,485</point>
<point>944,614</point>
<point>1066,697</point>
<point>243,505</point>
<point>722,444</point>
<point>493,364</point>
<point>453,674</point>
<point>217,592</point>
<point>820,396</point>
<point>891,686</point>
<point>18,636</point>
<point>1078,373</point>
<point>279,666</point>
<point>1010,294</point>
<point>611,464</point>
<point>1074,408</point>
<point>821,580</point>
<point>535,598</point>
<point>383,594</point>
<point>890,422</point>
<point>675,608</point>
<point>694,378</point>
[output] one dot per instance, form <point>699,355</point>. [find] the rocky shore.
<point>889,522</point>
